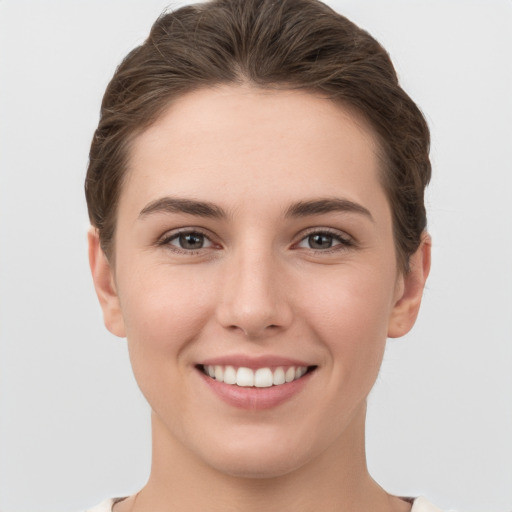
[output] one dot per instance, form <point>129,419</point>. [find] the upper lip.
<point>253,362</point>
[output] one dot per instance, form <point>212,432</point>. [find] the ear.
<point>104,283</point>
<point>410,290</point>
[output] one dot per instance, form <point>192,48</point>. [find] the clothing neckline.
<point>418,504</point>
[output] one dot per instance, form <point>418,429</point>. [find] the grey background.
<point>74,428</point>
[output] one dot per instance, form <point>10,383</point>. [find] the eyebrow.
<point>210,210</point>
<point>327,205</point>
<point>180,205</point>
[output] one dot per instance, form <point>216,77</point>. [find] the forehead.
<point>240,142</point>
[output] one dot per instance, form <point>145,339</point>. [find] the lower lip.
<point>255,398</point>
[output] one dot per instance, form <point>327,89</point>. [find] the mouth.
<point>264,377</point>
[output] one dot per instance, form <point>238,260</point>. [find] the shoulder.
<point>419,505</point>
<point>423,505</point>
<point>104,506</point>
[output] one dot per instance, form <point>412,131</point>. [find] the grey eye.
<point>191,241</point>
<point>323,240</point>
<point>320,241</point>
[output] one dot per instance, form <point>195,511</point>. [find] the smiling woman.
<point>250,286</point>
<point>200,263</point>
<point>256,193</point>
<point>255,189</point>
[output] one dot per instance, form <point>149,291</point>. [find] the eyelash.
<point>168,238</point>
<point>345,241</point>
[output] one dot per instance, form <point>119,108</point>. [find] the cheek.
<point>350,315</point>
<point>164,309</point>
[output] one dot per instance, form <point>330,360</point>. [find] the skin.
<point>257,287</point>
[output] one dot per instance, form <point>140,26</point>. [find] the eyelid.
<point>344,238</point>
<point>173,234</point>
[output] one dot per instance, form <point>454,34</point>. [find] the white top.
<point>419,505</point>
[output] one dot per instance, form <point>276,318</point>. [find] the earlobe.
<point>407,305</point>
<point>104,284</point>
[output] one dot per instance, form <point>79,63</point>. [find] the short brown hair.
<point>290,44</point>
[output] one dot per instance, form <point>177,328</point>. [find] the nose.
<point>253,298</point>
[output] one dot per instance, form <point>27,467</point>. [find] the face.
<point>255,277</point>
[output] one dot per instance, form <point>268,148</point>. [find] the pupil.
<point>191,241</point>
<point>320,241</point>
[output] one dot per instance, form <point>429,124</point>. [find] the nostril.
<point>254,331</point>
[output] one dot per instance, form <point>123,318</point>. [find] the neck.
<point>336,480</point>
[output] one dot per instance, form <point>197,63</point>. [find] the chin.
<point>271,467</point>
<point>270,459</point>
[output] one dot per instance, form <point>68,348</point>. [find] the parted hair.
<point>269,44</point>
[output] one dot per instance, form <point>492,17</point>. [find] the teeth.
<point>263,378</point>
<point>219,373</point>
<point>260,378</point>
<point>229,375</point>
<point>245,377</point>
<point>300,371</point>
<point>278,377</point>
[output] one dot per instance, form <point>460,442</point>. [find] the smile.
<point>259,377</point>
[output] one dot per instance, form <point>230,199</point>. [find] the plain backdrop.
<point>74,428</point>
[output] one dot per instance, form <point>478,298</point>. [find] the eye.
<point>324,240</point>
<point>187,241</point>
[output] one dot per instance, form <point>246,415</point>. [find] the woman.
<point>255,189</point>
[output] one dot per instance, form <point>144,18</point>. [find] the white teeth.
<point>219,373</point>
<point>229,375</point>
<point>263,378</point>
<point>245,377</point>
<point>290,374</point>
<point>278,377</point>
<point>300,371</point>
<point>260,378</point>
